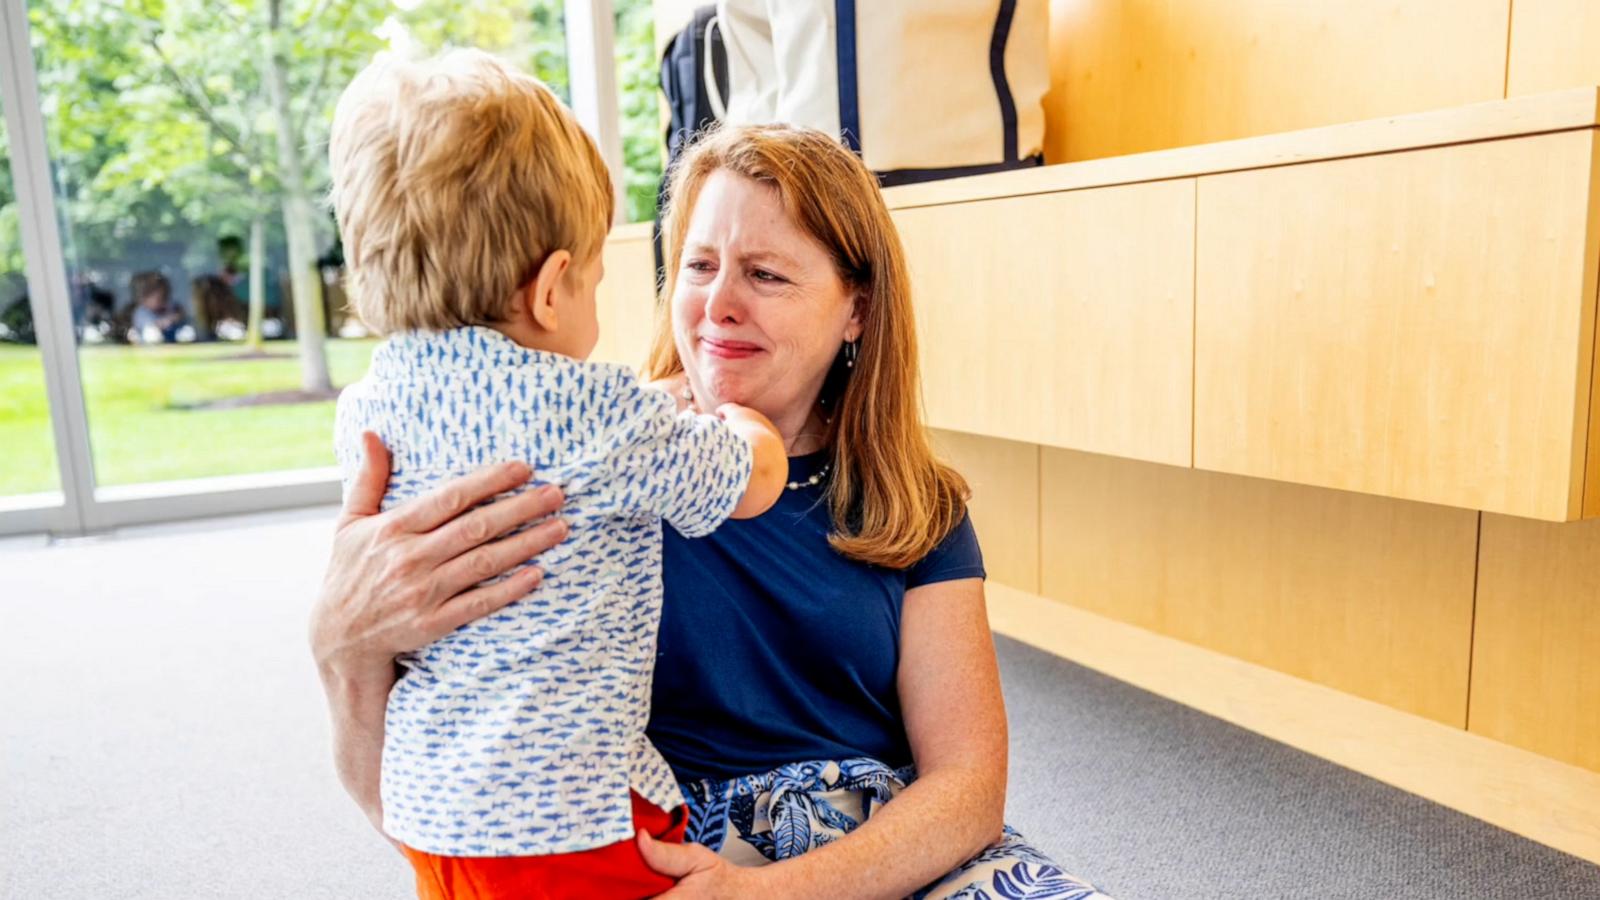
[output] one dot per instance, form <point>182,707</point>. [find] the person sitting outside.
<point>156,318</point>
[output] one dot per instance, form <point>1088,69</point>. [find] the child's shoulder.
<point>615,396</point>
<point>350,399</point>
<point>474,352</point>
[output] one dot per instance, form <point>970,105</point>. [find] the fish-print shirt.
<point>522,733</point>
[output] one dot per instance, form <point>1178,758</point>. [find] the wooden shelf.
<point>1562,110</point>
<point>1404,307</point>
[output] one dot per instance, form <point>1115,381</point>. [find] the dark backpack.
<point>683,69</point>
<point>689,103</point>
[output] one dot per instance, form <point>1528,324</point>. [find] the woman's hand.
<point>401,579</point>
<point>703,875</point>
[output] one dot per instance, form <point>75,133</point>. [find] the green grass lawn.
<point>140,429</point>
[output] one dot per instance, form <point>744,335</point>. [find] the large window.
<point>187,143</point>
<point>28,465</point>
<point>638,76</point>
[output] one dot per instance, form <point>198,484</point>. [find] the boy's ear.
<point>546,287</point>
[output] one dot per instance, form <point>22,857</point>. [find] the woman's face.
<point>758,311</point>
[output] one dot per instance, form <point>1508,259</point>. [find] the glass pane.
<point>639,99</point>
<point>188,144</point>
<point>28,465</point>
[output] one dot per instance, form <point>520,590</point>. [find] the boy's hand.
<point>769,467</point>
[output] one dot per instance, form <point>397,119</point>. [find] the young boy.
<point>473,209</point>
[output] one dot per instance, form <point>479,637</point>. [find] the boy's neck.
<point>535,338</point>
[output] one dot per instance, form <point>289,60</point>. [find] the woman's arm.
<point>401,579</point>
<point>949,685</point>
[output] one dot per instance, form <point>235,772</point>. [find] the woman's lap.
<point>776,815</point>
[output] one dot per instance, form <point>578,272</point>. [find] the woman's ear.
<point>546,287</point>
<point>858,310</point>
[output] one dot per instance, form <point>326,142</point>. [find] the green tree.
<point>171,114</point>
<point>175,118</point>
<point>638,74</point>
<point>527,33</point>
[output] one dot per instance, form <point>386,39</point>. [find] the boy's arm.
<point>769,467</point>
<point>690,469</point>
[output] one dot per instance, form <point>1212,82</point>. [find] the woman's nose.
<point>723,303</point>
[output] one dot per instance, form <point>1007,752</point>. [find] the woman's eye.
<point>763,275</point>
<point>698,265</point>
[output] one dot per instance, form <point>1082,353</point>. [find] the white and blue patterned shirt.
<point>521,734</point>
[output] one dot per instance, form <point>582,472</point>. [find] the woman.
<point>814,663</point>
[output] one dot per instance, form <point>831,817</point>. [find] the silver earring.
<point>850,350</point>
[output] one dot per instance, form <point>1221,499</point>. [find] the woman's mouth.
<point>725,349</point>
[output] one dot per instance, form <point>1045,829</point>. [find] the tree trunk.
<point>310,328</point>
<point>258,282</point>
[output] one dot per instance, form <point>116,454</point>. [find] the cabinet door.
<point>1417,325</point>
<point>1535,673</point>
<point>1061,319</point>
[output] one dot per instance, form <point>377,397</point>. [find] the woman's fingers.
<point>674,860</point>
<point>453,579</point>
<point>497,558</point>
<point>458,495</point>
<point>372,480</point>
<point>486,523</point>
<point>480,602</point>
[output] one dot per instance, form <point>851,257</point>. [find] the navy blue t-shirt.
<point>775,649</point>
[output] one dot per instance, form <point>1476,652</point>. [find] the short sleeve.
<point>347,435</point>
<point>957,556</point>
<point>691,470</point>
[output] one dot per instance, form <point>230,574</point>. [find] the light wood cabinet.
<point>1555,44</point>
<point>1004,478</point>
<point>1417,325</point>
<point>1138,75</point>
<point>1061,319</point>
<point>1536,647</point>
<point>1368,595</point>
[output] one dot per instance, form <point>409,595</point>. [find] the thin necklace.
<point>817,476</point>
<point>815,479</point>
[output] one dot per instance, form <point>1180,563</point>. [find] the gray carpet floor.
<point>162,736</point>
<point>1151,799</point>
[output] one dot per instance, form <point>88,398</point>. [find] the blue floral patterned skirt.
<point>758,819</point>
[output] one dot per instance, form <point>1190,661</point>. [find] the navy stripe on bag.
<point>845,51</point>
<point>997,71</point>
<point>850,106</point>
<point>895,177</point>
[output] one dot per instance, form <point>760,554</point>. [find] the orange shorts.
<point>613,872</point>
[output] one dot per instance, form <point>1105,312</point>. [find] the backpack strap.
<point>714,98</point>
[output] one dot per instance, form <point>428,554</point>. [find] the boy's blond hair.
<point>453,179</point>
